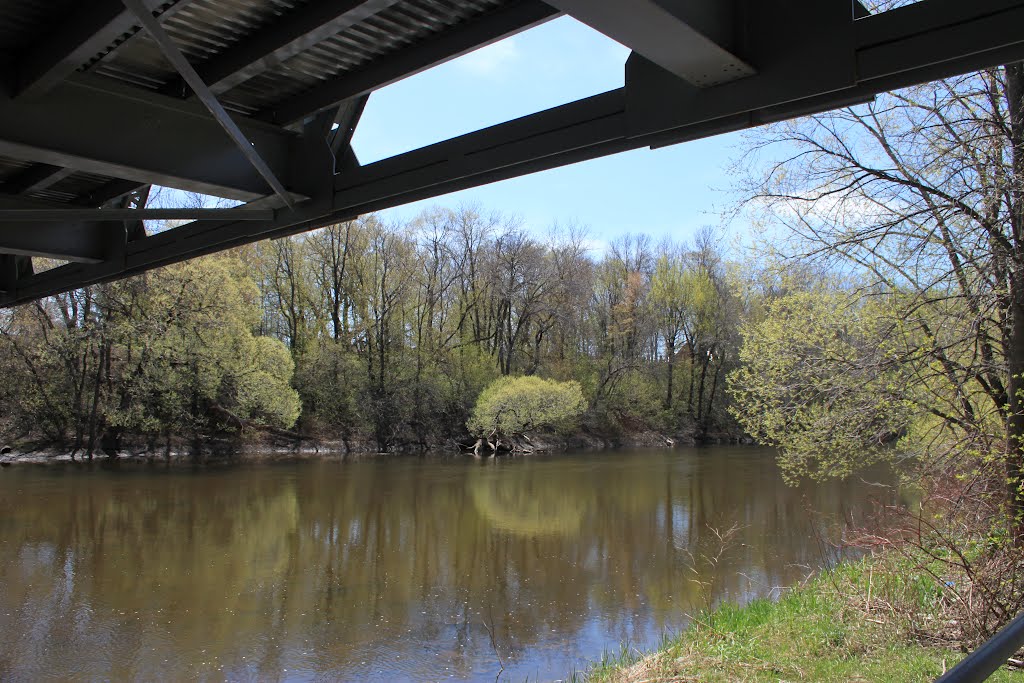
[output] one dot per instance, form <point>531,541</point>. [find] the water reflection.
<point>395,569</point>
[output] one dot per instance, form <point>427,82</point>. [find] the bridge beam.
<point>692,40</point>
<point>220,115</point>
<point>36,178</point>
<point>68,239</point>
<point>76,242</point>
<point>90,125</point>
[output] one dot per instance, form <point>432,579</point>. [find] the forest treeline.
<point>379,335</point>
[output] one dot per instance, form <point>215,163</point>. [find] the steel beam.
<point>90,124</point>
<point>340,138</point>
<point>45,215</point>
<point>456,41</point>
<point>209,100</point>
<point>13,267</point>
<point>688,39</point>
<point>135,229</point>
<point>282,39</point>
<point>838,60</point>
<point>77,242</point>
<point>936,39</point>
<point>88,29</point>
<point>587,123</point>
<point>801,49</point>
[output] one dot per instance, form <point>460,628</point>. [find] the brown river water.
<point>390,568</point>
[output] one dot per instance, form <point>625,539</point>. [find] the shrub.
<point>516,405</point>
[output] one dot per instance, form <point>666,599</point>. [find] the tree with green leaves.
<point>390,331</point>
<point>512,407</point>
<point>921,194</point>
<point>821,377</point>
<point>173,354</point>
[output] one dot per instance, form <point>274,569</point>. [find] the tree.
<point>389,331</point>
<point>331,378</point>
<point>521,283</point>
<point>191,361</point>
<point>922,193</point>
<point>171,353</point>
<point>820,378</point>
<point>668,298</point>
<point>385,273</point>
<point>623,334</point>
<point>515,406</point>
<point>285,283</point>
<point>330,250</point>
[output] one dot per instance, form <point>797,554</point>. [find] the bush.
<point>517,405</point>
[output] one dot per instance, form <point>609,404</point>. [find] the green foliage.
<point>819,379</point>
<point>206,354</point>
<point>925,216</point>
<point>173,353</point>
<point>516,405</point>
<point>379,331</point>
<point>265,392</point>
<point>633,399</point>
<point>332,379</point>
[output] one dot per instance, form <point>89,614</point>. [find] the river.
<point>389,568</point>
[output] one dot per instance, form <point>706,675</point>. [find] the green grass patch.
<point>847,625</point>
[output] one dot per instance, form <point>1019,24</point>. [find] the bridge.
<point>256,101</point>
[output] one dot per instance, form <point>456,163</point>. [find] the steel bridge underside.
<point>256,101</point>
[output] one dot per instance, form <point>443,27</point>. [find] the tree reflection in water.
<point>389,569</point>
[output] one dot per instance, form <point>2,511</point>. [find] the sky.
<point>670,192</point>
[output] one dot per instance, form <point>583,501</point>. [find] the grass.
<point>842,626</point>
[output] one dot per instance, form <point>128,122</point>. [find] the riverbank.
<point>261,447</point>
<point>849,624</point>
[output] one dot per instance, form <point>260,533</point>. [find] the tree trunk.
<point>714,387</point>
<point>670,351</point>
<point>79,398</point>
<point>1015,420</point>
<point>693,379</point>
<point>701,417</point>
<point>1015,341</point>
<point>94,414</point>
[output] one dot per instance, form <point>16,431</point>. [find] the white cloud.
<point>490,60</point>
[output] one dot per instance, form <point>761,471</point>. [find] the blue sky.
<point>667,192</point>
